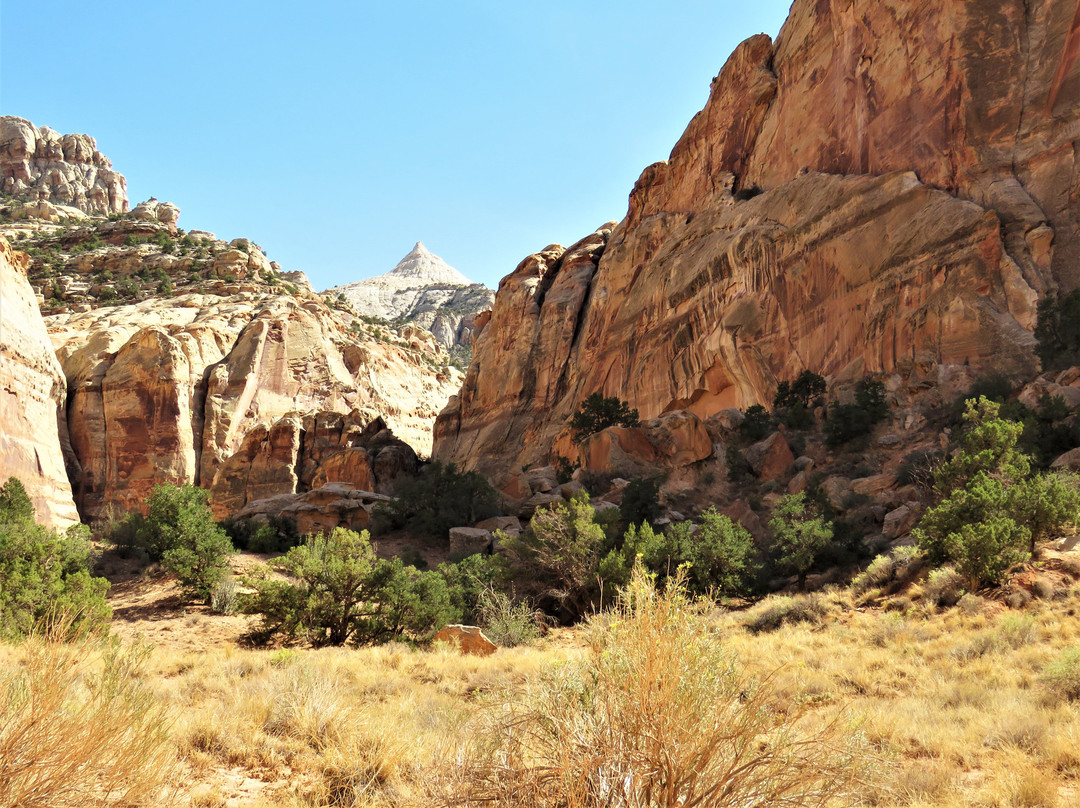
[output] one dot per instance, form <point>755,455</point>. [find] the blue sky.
<point>336,134</point>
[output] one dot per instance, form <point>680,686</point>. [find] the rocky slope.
<point>33,395</point>
<point>424,290</point>
<point>880,191</point>
<point>178,351</point>
<point>41,165</point>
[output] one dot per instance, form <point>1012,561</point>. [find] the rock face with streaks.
<point>884,188</point>
<point>43,165</point>
<point>177,389</point>
<point>33,394</point>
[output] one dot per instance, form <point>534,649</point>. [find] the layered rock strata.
<point>880,190</point>
<point>33,395</point>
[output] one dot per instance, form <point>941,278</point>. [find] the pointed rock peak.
<point>424,267</point>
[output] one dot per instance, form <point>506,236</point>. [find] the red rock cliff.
<point>886,186</point>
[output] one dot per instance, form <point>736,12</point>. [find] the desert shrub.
<point>44,574</point>
<point>798,417</point>
<point>564,469</point>
<point>468,581</point>
<point>179,531</point>
<point>225,596</point>
<point>507,622</point>
<point>276,535</point>
<point>440,498</point>
<point>786,611</point>
<point>338,591</point>
<point>993,511</point>
<point>598,412</point>
<point>898,565</point>
<point>1058,331</point>
<point>918,468</point>
<point>757,423</point>
<point>799,534</point>
<point>944,587</point>
<point>641,501</point>
<point>717,555</point>
<point>846,422</point>
<point>658,714</point>
<point>77,719</point>
<point>738,467</point>
<point>557,557</point>
<point>1062,676</point>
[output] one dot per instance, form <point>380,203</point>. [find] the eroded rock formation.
<point>168,390</point>
<point>881,190</point>
<point>32,398</point>
<point>43,165</point>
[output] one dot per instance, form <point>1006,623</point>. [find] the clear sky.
<point>337,134</point>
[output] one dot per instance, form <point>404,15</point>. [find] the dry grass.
<point>970,706</point>
<point>78,727</point>
<point>658,715</point>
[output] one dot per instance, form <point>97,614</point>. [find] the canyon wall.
<point>32,398</point>
<point>886,187</point>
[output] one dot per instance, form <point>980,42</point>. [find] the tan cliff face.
<point>168,390</point>
<point>883,189</point>
<point>32,398</point>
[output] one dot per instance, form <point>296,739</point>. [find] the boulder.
<point>836,490</point>
<point>467,639</point>
<point>770,458</point>
<point>899,522</point>
<point>467,541</point>
<point>1069,460</point>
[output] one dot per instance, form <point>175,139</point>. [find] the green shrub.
<point>558,556</point>
<point>944,587</point>
<point>276,535</point>
<point>597,413</point>
<point>338,591</point>
<point>641,501</point>
<point>993,511</point>
<point>1058,331</point>
<point>44,574</point>
<point>470,578</point>
<point>225,596</point>
<point>440,498</point>
<point>738,467</point>
<point>757,424</point>
<point>786,611</point>
<point>846,422</point>
<point>179,531</point>
<point>799,534</point>
<point>1062,676</point>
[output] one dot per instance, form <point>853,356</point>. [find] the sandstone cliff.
<point>32,398</point>
<point>179,351</point>
<point>882,189</point>
<point>425,290</point>
<point>43,165</point>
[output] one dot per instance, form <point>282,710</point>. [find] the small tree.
<point>757,424</point>
<point>558,556</point>
<point>598,412</point>
<point>440,498</point>
<point>179,531</point>
<point>993,511</point>
<point>338,591</point>
<point>799,532</point>
<point>803,390</point>
<point>641,501</point>
<point>1058,331</point>
<point>44,574</point>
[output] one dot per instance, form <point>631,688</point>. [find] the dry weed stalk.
<point>79,728</point>
<point>659,716</point>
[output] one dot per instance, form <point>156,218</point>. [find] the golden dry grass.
<point>968,706</point>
